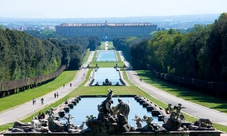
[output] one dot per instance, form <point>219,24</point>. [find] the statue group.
<point>112,119</point>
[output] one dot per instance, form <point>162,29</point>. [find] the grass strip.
<point>86,56</point>
<point>28,95</point>
<point>110,45</point>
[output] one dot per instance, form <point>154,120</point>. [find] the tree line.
<point>23,56</point>
<point>198,54</point>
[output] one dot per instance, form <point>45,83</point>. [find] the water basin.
<point>101,74</point>
<point>88,106</point>
<point>107,55</point>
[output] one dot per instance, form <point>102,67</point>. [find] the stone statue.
<point>107,122</point>
<point>109,94</point>
<point>148,120</point>
<point>176,118</point>
<point>203,123</point>
<point>138,121</point>
<point>55,125</point>
<point>150,125</point>
<point>69,123</point>
<point>35,123</point>
<point>169,109</point>
<point>122,108</point>
<point>176,111</point>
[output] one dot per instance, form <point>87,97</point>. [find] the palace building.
<point>106,31</point>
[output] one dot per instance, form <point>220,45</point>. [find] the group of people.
<point>42,99</point>
<point>41,115</point>
<point>34,101</point>
<point>56,95</point>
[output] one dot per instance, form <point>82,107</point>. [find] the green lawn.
<point>28,95</point>
<point>110,46</point>
<point>87,55</point>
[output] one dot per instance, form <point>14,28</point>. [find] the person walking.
<point>57,94</point>
<point>33,101</point>
<point>42,101</point>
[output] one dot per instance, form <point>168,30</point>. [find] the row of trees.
<point>24,56</point>
<point>200,53</point>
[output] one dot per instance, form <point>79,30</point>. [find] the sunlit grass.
<point>87,55</point>
<point>110,45</point>
<point>22,97</point>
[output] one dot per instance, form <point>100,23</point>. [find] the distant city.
<point>163,22</point>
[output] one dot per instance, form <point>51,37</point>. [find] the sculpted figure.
<point>204,122</point>
<point>105,107</point>
<point>169,109</point>
<point>177,111</point>
<point>122,108</point>
<point>148,120</point>
<point>109,94</point>
<point>138,121</point>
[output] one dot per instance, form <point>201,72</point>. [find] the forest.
<point>198,54</point>
<point>24,56</point>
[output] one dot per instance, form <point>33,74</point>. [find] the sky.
<point>108,8</point>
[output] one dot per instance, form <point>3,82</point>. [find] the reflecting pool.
<point>101,74</point>
<point>107,55</point>
<point>88,106</point>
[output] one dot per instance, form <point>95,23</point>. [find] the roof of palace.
<point>104,24</point>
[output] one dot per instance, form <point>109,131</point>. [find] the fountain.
<point>106,77</point>
<point>113,120</point>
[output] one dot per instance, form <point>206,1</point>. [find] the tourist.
<point>33,101</point>
<point>66,101</point>
<point>42,101</point>
<point>70,84</point>
<point>42,115</point>
<point>39,116</point>
<point>55,95</point>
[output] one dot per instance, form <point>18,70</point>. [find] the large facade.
<point>106,30</point>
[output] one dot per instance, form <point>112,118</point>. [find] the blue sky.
<point>108,8</point>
